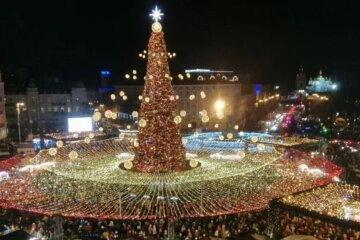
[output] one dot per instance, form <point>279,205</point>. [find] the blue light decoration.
<point>106,89</point>
<point>257,89</point>
<point>104,73</point>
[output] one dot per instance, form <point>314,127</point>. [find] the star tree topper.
<point>156,16</point>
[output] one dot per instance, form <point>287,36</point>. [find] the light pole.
<point>18,106</point>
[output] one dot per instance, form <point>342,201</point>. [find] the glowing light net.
<point>232,176</point>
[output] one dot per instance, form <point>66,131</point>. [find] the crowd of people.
<point>221,227</point>
<point>290,224</point>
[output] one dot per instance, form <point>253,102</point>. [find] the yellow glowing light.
<point>192,97</point>
<point>229,135</point>
<point>114,115</point>
<point>128,126</point>
<point>96,116</point>
<point>91,135</point>
<point>134,71</point>
<point>87,140</point>
<point>205,119</point>
<point>140,97</point>
<point>101,129</point>
<point>124,97</point>
<point>219,105</point>
<point>216,125</point>
<point>121,136</point>
<point>172,98</point>
<point>128,165</point>
<point>221,138</point>
<point>112,96</point>
<point>127,76</point>
<point>236,127</point>
<point>73,155</point>
<point>121,93</point>
<point>142,123</point>
<point>193,163</point>
<point>135,114</point>
<point>189,125</point>
<point>177,119</point>
<point>147,99</point>
<point>182,113</point>
<point>59,143</point>
<point>52,151</point>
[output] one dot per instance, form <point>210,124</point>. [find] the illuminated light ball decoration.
<point>121,93</point>
<point>221,138</point>
<point>101,129</point>
<point>136,143</point>
<point>241,133</point>
<point>142,123</point>
<point>52,151</point>
<point>242,154</point>
<point>140,97</point>
<point>220,115</point>
<point>135,114</point>
<point>188,75</point>
<point>193,163</point>
<point>205,119</point>
<point>127,76</point>
<point>216,125</point>
<point>254,139</point>
<point>59,143</point>
<point>177,119</point>
<point>184,141</point>
<point>112,96</point>
<point>189,125</point>
<point>192,97</point>
<point>202,94</point>
<point>196,134</point>
<point>73,155</point>
<point>236,127</point>
<point>183,113</point>
<point>121,136</point>
<point>91,135</point>
<point>108,113</point>
<point>229,136</point>
<point>128,126</point>
<point>177,97</point>
<point>147,99</point>
<point>87,140</point>
<point>75,135</point>
<point>260,146</point>
<point>124,97</point>
<point>113,115</point>
<point>128,165</point>
<point>96,116</point>
<point>172,98</point>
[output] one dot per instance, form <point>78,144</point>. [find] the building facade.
<point>45,112</point>
<point>300,83</point>
<point>3,123</point>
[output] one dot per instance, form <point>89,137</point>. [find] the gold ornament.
<point>142,123</point>
<point>52,151</point>
<point>135,114</point>
<point>177,119</point>
<point>73,155</point>
<point>128,165</point>
<point>96,116</point>
<point>193,163</point>
<point>59,143</point>
<point>156,27</point>
<point>87,140</point>
<point>229,136</point>
<point>183,113</point>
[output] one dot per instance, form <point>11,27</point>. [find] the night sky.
<point>269,40</point>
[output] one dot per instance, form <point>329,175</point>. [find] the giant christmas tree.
<point>160,146</point>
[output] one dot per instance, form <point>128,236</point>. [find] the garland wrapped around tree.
<point>159,147</point>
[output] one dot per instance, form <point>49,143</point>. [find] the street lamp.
<point>18,106</point>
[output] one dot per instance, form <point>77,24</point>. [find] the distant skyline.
<point>270,41</point>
